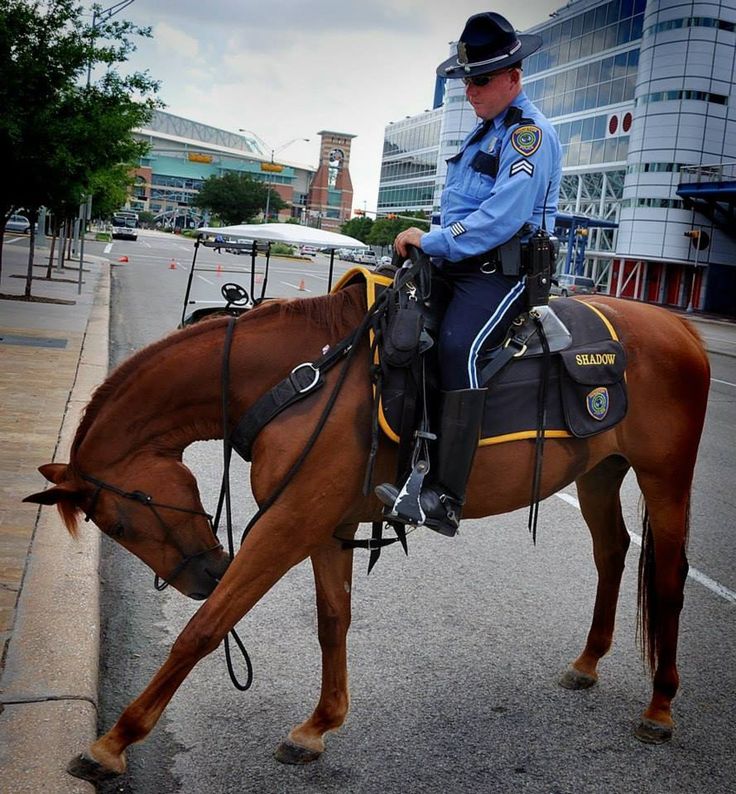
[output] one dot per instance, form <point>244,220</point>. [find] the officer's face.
<point>496,95</point>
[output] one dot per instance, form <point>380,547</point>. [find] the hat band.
<point>468,66</point>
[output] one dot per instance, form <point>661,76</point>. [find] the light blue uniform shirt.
<point>480,212</point>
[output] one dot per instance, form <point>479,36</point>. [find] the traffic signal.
<point>581,231</point>
<point>392,216</point>
<point>360,212</point>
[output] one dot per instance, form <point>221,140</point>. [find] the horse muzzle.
<point>204,575</point>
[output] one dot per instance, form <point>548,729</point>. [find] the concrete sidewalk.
<point>52,356</point>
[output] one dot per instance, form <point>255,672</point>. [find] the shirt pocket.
<point>477,185</point>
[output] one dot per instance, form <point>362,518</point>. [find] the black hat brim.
<point>452,69</point>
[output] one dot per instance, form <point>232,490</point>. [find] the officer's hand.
<point>410,236</point>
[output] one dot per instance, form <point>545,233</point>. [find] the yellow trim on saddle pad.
<point>372,282</point>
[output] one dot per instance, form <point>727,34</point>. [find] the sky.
<point>287,69</point>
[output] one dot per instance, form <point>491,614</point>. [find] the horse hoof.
<point>289,753</point>
<point>651,732</point>
<point>574,679</point>
<point>86,768</point>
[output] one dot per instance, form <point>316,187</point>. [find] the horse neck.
<point>170,395</point>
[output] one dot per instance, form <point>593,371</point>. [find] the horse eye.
<point>117,530</point>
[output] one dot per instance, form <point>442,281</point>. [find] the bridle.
<point>147,501</point>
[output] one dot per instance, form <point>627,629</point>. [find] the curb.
<point>51,670</point>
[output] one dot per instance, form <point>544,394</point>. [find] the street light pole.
<point>98,19</point>
<point>274,151</point>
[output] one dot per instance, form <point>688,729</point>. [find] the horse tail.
<point>647,603</point>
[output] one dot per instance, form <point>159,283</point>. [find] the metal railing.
<point>702,174</point>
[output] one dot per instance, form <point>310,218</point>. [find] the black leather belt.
<point>484,263</point>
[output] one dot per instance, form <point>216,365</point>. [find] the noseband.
<point>147,501</point>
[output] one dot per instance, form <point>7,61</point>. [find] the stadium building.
<point>183,153</point>
<point>642,96</point>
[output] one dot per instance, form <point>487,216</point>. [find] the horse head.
<point>165,525</point>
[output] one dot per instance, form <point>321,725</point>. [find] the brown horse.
<point>130,443</point>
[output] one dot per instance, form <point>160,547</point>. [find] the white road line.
<point>296,287</point>
<point>107,248</point>
<point>693,573</point>
<point>205,279</point>
<point>724,382</point>
<point>720,339</point>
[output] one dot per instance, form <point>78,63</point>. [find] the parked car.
<point>18,223</point>
<point>308,250</point>
<point>572,285</point>
<point>386,260</point>
<point>365,258</point>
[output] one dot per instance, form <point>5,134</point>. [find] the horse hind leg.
<point>598,493</point>
<point>663,571</point>
<point>333,568</point>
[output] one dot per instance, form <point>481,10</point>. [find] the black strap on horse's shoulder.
<point>298,384</point>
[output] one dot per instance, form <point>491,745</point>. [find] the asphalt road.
<point>454,651</point>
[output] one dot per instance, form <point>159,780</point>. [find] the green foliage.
<point>56,133</point>
<point>282,248</point>
<point>236,197</point>
<point>359,227</point>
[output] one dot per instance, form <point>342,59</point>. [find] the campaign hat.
<point>488,43</point>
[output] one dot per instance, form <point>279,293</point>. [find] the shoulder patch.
<point>527,139</point>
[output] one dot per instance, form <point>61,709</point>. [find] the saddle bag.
<point>593,389</point>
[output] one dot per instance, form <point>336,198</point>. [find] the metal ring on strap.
<point>315,377</point>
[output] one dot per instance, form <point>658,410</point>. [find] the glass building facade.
<point>638,90</point>
<point>409,163</point>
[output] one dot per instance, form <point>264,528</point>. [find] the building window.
<point>675,96</point>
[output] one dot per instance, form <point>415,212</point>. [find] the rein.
<point>147,501</point>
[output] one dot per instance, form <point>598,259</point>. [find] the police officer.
<point>505,177</point>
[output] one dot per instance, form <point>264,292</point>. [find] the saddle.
<point>583,368</point>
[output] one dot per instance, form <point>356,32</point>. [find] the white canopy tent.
<point>290,233</point>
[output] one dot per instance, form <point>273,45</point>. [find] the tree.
<point>360,228</point>
<point>236,198</point>
<point>55,132</point>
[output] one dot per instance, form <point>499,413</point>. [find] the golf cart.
<point>238,291</point>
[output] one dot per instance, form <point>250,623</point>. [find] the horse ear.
<point>52,496</point>
<point>54,472</point>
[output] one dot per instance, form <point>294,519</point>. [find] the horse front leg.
<point>269,552</point>
<point>333,573</point>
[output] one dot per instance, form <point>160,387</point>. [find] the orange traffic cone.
<point>218,270</point>
<point>301,285</point>
<point>172,264</point>
<point>123,259</point>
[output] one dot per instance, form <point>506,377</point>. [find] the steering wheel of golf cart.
<point>234,294</point>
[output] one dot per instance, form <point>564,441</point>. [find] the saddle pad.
<point>586,391</point>
<point>574,407</point>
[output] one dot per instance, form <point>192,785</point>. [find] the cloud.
<point>288,68</point>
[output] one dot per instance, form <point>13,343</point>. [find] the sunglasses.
<point>483,79</point>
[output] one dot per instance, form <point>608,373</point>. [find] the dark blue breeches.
<point>482,307</point>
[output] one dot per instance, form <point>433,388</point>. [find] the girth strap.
<point>299,383</point>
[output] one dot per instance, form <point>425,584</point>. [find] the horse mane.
<point>338,312</point>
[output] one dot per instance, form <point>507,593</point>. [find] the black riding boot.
<point>442,500</point>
